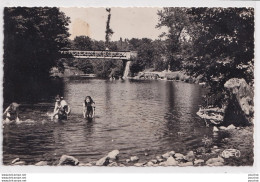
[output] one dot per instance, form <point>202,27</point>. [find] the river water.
<point>133,116</point>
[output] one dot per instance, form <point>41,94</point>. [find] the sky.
<point>125,22</point>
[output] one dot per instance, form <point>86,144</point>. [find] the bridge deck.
<point>126,55</point>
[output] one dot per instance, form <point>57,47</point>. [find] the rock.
<point>159,159</point>
<point>146,154</point>
<point>68,160</point>
<point>128,160</point>
<point>231,127</point>
<point>103,161</point>
<point>190,156</point>
<point>121,165</point>
<point>41,163</point>
<point>185,164</point>
<point>215,150</point>
<point>19,163</point>
<point>244,95</point>
<point>166,155</point>
<point>216,164</point>
<point>87,164</point>
<point>110,157</point>
<point>138,164</point>
<point>222,128</point>
<point>113,164</point>
<point>215,147</point>
<point>180,133</point>
<point>215,161</point>
<point>113,154</point>
<point>215,115</point>
<point>92,163</point>
<point>149,164</point>
<point>154,161</point>
<point>215,129</point>
<point>172,153</point>
<point>134,158</point>
<point>198,161</point>
<point>171,162</point>
<point>179,156</point>
<point>15,160</point>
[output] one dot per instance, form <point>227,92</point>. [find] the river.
<point>133,116</point>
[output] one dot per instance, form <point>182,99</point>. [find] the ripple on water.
<point>131,116</point>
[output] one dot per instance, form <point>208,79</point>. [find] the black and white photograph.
<point>132,86</point>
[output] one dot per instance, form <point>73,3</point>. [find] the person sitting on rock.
<point>12,112</point>
<point>88,107</point>
<point>61,109</point>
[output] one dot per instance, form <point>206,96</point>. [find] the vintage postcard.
<point>144,87</point>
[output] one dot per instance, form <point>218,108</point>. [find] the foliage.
<point>109,32</point>
<point>82,43</point>
<point>149,54</point>
<point>32,40</point>
<point>178,24</point>
<point>225,47</point>
<point>219,42</point>
<point>83,65</point>
<point>105,68</point>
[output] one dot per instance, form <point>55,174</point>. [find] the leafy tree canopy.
<point>32,40</point>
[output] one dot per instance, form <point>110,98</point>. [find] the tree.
<point>109,31</point>
<point>179,27</point>
<point>83,65</point>
<point>149,54</point>
<point>32,40</point>
<point>225,47</point>
<point>220,42</point>
<point>83,43</point>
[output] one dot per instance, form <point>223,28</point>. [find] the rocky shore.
<point>235,150</point>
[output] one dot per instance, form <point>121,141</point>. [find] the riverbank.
<point>236,149</point>
<point>167,75</point>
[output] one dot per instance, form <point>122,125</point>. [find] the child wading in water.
<point>12,112</point>
<point>61,109</point>
<point>88,107</point>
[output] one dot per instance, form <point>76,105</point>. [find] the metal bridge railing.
<point>100,54</point>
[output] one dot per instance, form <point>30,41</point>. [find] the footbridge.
<point>122,55</point>
<point>125,56</point>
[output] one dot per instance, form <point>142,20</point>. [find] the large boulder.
<point>171,162</point>
<point>185,164</point>
<point>113,155</point>
<point>104,161</point>
<point>179,156</point>
<point>215,161</point>
<point>134,159</point>
<point>166,155</point>
<point>41,163</point>
<point>68,160</point>
<point>243,94</point>
<point>198,161</point>
<point>190,156</point>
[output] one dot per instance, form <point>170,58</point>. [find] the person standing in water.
<point>61,109</point>
<point>12,112</point>
<point>88,107</point>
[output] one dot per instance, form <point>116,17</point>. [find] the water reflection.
<point>132,116</point>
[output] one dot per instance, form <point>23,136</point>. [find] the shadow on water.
<point>33,91</point>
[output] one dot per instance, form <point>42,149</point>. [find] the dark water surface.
<point>132,116</point>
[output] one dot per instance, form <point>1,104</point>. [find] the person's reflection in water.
<point>89,129</point>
